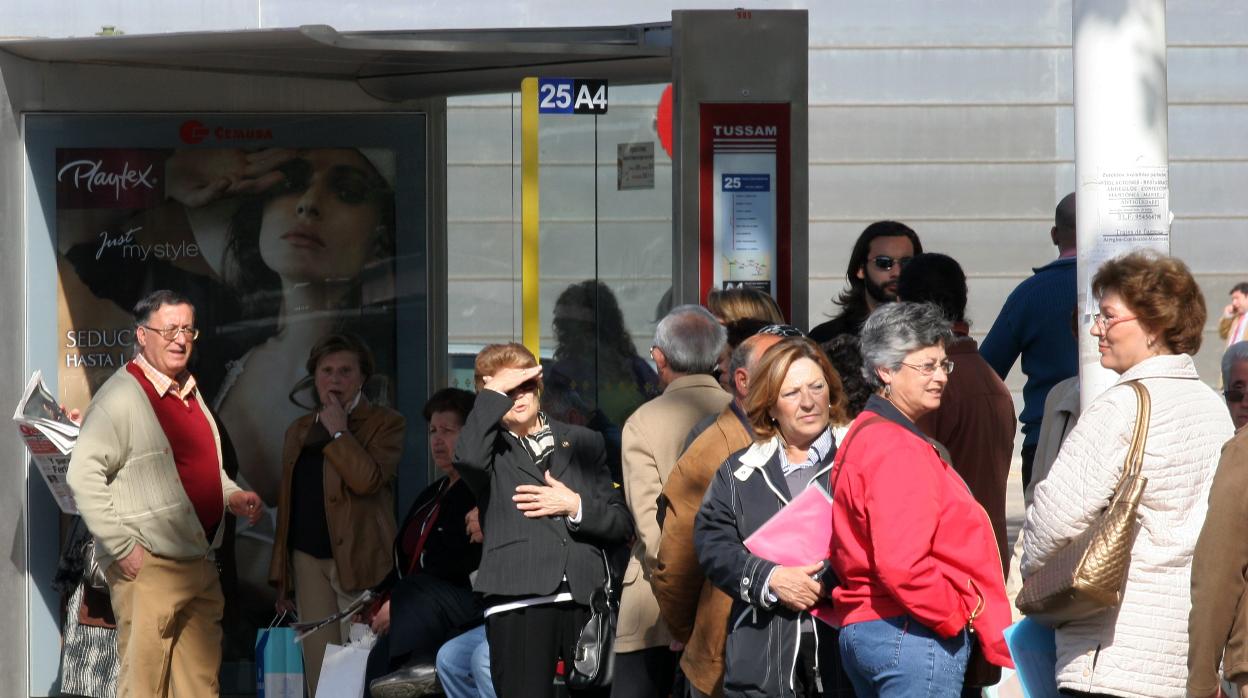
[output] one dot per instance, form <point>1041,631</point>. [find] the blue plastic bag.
<point>279,663</point>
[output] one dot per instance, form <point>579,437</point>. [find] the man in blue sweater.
<point>1035,322</point>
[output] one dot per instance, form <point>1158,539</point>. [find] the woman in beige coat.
<point>1151,317</point>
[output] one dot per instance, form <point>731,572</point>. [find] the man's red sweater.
<point>194,450</point>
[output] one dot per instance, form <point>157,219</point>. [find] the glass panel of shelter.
<point>605,248</point>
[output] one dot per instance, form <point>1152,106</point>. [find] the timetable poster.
<point>745,199</point>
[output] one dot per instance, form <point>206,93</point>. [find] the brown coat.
<point>653,439</point>
<point>975,422</point>
<point>359,496</point>
<point>1219,617</point>
<point>695,610</point>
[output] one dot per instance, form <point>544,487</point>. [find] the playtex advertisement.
<point>280,230</point>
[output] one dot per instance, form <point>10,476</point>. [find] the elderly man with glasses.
<point>147,477</point>
<point>687,345</point>
<point>1235,382</point>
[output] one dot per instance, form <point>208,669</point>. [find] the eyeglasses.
<point>1234,395</point>
<point>929,369</point>
<point>781,331</point>
<point>171,333</point>
<point>883,262</point>
<point>1107,322</point>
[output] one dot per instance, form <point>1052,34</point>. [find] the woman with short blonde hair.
<point>774,646</point>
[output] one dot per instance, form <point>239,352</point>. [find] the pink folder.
<point>798,534</point>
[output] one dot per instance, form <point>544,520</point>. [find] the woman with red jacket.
<point>920,576</point>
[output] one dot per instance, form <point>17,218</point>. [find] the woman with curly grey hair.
<point>916,555</point>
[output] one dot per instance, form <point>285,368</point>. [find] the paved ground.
<point>1014,502</point>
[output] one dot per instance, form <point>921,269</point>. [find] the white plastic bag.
<point>344,666</point>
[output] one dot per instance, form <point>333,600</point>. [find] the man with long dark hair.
<point>882,249</point>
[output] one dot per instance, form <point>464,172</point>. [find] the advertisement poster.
<point>744,195</point>
<point>280,230</point>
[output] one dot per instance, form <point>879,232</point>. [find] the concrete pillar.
<point>1120,148</point>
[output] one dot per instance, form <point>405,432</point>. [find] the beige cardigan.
<point>124,480</point>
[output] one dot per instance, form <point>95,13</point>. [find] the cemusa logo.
<point>193,132</point>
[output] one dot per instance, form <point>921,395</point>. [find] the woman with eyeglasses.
<point>335,512</point>
<point>1150,320</point>
<point>548,508</point>
<point>920,576</point>
<point>975,420</point>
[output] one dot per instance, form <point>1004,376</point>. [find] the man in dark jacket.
<point>1035,322</point>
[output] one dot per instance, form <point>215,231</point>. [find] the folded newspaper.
<point>50,436</point>
<point>306,628</point>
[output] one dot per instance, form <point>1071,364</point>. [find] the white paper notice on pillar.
<point>634,166</point>
<point>1133,213</point>
<point>745,213</point>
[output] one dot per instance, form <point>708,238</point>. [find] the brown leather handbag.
<point>1088,575</point>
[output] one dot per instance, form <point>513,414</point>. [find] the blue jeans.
<point>464,666</point>
<point>900,657</point>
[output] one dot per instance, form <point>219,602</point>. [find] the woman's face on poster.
<point>323,222</point>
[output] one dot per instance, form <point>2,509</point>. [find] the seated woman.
<point>774,646</point>
<point>915,553</point>
<point>548,508</point>
<point>430,590</point>
<point>335,513</point>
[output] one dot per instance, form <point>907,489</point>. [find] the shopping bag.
<point>342,671</point>
<point>279,663</point>
<point>1034,649</point>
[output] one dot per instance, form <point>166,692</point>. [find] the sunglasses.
<point>529,386</point>
<point>781,331</point>
<point>1234,395</point>
<point>883,262</point>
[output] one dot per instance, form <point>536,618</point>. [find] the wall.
<point>952,115</point>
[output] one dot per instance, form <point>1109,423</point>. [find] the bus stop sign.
<point>571,96</point>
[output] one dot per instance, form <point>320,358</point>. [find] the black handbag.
<point>594,658</point>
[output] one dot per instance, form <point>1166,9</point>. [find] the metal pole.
<point>1121,167</point>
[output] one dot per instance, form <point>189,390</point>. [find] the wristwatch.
<point>337,434</point>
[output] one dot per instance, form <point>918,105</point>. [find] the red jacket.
<point>910,538</point>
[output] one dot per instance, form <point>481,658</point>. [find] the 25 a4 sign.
<point>571,96</point>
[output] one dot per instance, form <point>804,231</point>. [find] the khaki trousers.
<point>168,628</point>
<point>318,594</point>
